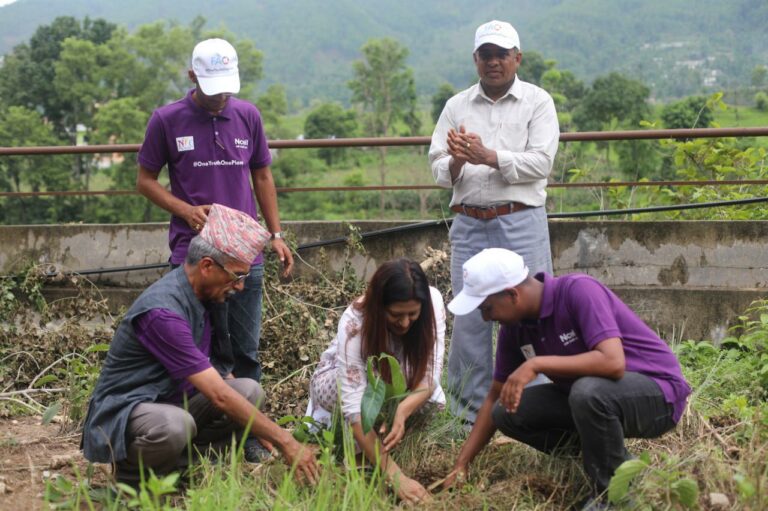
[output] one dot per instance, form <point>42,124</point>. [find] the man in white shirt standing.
<point>494,144</point>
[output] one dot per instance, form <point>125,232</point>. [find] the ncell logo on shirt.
<point>185,143</point>
<point>568,337</point>
<point>241,143</point>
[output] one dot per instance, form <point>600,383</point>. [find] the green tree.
<point>273,106</point>
<point>121,121</point>
<point>330,120</point>
<point>564,82</point>
<point>692,112</point>
<point>613,97</point>
<point>19,127</point>
<point>759,76</point>
<point>761,101</point>
<point>533,67</point>
<point>615,101</point>
<point>441,97</point>
<point>28,74</point>
<point>383,86</point>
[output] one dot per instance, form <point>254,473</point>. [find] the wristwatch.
<point>277,235</point>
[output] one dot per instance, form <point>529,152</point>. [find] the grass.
<point>720,445</point>
<point>741,117</point>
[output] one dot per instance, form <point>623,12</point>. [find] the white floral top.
<point>344,356</point>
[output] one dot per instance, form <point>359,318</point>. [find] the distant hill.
<point>677,47</point>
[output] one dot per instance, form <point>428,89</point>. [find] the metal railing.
<point>585,136</point>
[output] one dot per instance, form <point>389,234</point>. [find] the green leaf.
<point>399,386</point>
<point>371,375</point>
<point>51,412</point>
<point>745,486</point>
<point>619,485</point>
<point>97,348</point>
<point>373,398</point>
<point>286,419</point>
<point>300,434</point>
<point>48,378</point>
<point>687,492</point>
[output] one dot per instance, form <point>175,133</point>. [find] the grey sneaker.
<point>254,452</point>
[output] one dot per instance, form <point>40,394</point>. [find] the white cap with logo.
<point>496,32</point>
<point>490,271</point>
<point>214,62</point>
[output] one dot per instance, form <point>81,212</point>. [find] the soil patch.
<point>30,453</point>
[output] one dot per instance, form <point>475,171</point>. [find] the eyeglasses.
<point>236,278</point>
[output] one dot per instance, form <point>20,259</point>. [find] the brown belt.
<point>491,211</point>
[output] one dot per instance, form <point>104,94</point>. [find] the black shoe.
<point>254,452</point>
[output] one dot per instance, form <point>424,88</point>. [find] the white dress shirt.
<point>521,127</point>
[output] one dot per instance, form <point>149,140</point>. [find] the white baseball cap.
<point>497,32</point>
<point>214,62</point>
<point>490,271</point>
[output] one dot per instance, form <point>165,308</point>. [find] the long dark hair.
<point>400,280</point>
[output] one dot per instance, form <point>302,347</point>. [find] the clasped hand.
<point>467,147</point>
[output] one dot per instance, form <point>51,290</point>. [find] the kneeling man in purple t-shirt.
<point>612,376</point>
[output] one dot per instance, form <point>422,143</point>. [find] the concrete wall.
<point>689,277</point>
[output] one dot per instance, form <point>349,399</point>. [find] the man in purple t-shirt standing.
<point>612,376</point>
<point>214,145</point>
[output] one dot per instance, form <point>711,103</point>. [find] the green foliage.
<point>691,112</point>
<point>20,126</point>
<point>152,492</point>
<point>761,101</point>
<point>292,164</point>
<point>533,67</point>
<point>613,97</point>
<point>383,85</point>
<point>665,485</point>
<point>21,293</point>
<point>330,120</point>
<point>564,85</point>
<point>379,391</point>
<point>441,97</point>
<point>273,105</point>
<point>718,159</point>
<point>29,75</point>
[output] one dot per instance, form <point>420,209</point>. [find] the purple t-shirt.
<point>577,313</point>
<point>167,336</point>
<point>209,158</point>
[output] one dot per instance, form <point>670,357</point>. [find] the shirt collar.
<point>547,295</point>
<point>515,91</point>
<point>224,114</point>
<point>186,287</point>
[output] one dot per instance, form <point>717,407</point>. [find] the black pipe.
<point>447,223</point>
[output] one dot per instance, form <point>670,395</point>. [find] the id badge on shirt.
<point>528,351</point>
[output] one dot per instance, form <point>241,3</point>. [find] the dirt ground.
<point>29,454</point>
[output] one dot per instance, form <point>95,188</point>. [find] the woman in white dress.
<point>403,316</point>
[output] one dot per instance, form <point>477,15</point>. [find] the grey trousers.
<point>594,417</point>
<point>470,357</point>
<point>158,433</point>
